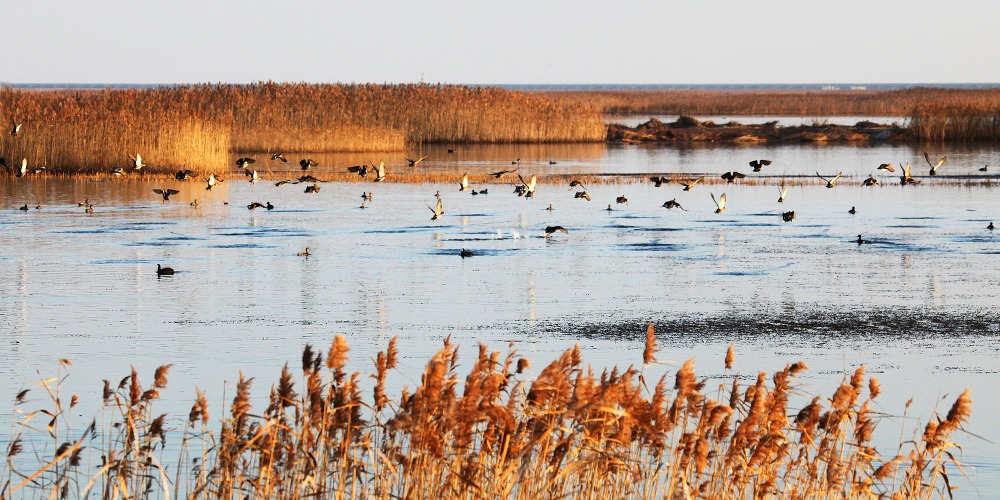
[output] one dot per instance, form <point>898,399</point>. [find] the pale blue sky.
<point>512,41</point>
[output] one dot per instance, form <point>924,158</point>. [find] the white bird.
<point>24,168</point>
<point>211,182</point>
<point>462,186</point>
<point>830,182</point>
<point>379,171</point>
<point>15,127</point>
<point>254,177</point>
<point>531,186</point>
<point>720,203</point>
<point>934,168</point>
<point>137,161</point>
<point>438,210</point>
<point>783,191</point>
<point>905,178</point>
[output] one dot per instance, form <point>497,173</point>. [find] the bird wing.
<point>738,175</point>
<point>783,190</point>
<point>837,177</point>
<point>531,183</point>
<point>158,191</point>
<point>821,177</point>
<point>173,191</point>
<point>928,158</point>
<point>717,204</point>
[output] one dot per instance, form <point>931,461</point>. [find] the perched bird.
<point>466,253</point>
<point>690,185</point>
<point>830,182</point>
<point>620,200</point>
<point>852,211</point>
<point>15,127</point>
<point>305,253</point>
<point>137,163</point>
<point>183,175</point>
<point>211,181</point>
<point>164,271</point>
<point>788,216</point>
<point>720,203</point>
<point>759,164</point>
<point>279,156</point>
<point>582,194</point>
<point>312,189</point>
<point>935,166</point>
<point>464,184</point>
<point>438,210</point>
<point>379,171</point>
<point>118,171</point>
<point>24,168</point>
<point>659,181</point>
<point>552,229</point>
<point>500,173</point>
<point>361,170</point>
<point>870,181</point>
<point>731,177</point>
<point>905,178</point>
<point>782,193</point>
<point>243,162</point>
<point>887,167</point>
<point>416,162</point>
<point>575,183</point>
<point>669,204</point>
<point>165,193</point>
<point>985,168</point>
<point>305,163</point>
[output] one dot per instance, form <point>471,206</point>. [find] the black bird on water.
<point>861,241</point>
<point>788,216</point>
<point>852,211</point>
<point>24,208</point>
<point>991,226</point>
<point>164,271</point>
<point>466,253</point>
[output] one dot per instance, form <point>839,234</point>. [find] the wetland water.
<point>916,305</point>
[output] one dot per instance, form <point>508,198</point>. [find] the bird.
<point>89,209</point>
<point>788,216</point>
<point>669,204</point>
<point>464,184</point>
<point>582,194</point>
<point>211,181</point>
<point>254,177</point>
<point>366,196</point>
<point>552,229</point>
<point>182,175</point>
<point>24,208</point>
<point>243,162</point>
<point>84,203</point>
<point>550,208</point>
<point>720,203</point>
<point>690,185</point>
<point>38,170</point>
<point>164,271</point>
<point>520,189</point>
<point>985,168</point>
<point>269,206</point>
<point>905,178</point>
<point>516,162</point>
<point>416,162</point>
<point>137,163</point>
<point>3,163</point>
<point>659,181</point>
<point>308,178</point>
<point>312,189</point>
<point>379,171</point>
<point>870,181</point>
<point>990,227</point>
<point>361,170</point>
<point>15,127</point>
<point>118,171</point>
<point>279,156</point>
<point>935,166</point>
<point>24,168</point>
<point>305,163</point>
<point>529,186</point>
<point>304,253</point>
<point>552,162</point>
<point>782,193</point>
<point>852,211</point>
<point>759,164</point>
<point>609,209</point>
<point>438,210</point>
<point>255,205</point>
<point>731,177</point>
<point>165,193</point>
<point>482,191</point>
<point>861,241</point>
<point>620,200</point>
<point>887,167</point>
<point>194,203</point>
<point>466,253</point>
<point>500,173</point>
<point>575,183</point>
<point>450,150</point>
<point>830,182</point>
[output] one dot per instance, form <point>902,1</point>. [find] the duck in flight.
<point>211,181</point>
<point>464,184</point>
<point>24,168</point>
<point>416,162</point>
<point>669,204</point>
<point>759,164</point>
<point>620,200</point>
<point>690,185</point>
<point>549,230</point>
<point>905,178</point>
<point>719,203</point>
<point>438,210</point>
<point>934,166</point>
<point>183,175</point>
<point>659,181</point>
<point>576,183</point>
<point>361,170</point>
<point>887,167</point>
<point>731,177</point>
<point>379,171</point>
<point>501,173</point>
<point>870,181</point>
<point>279,156</point>
<point>782,193</point>
<point>830,182</point>
<point>165,193</point>
<point>306,163</point>
<point>15,127</point>
<point>788,216</point>
<point>243,162</point>
<point>582,194</point>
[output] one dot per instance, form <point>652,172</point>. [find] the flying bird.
<point>243,162</point>
<point>379,171</point>
<point>905,178</point>
<point>24,168</point>
<point>673,204</point>
<point>15,127</point>
<point>361,170</point>
<point>183,175</point>
<point>690,185</point>
<point>464,184</point>
<point>438,210</point>
<point>312,189</point>
<point>620,200</point>
<point>730,177</point>
<point>720,203</point>
<point>782,193</point>
<point>165,193</point>
<point>416,162</point>
<point>935,166</point>
<point>211,181</point>
<point>575,183</point>
<point>500,173</point>
<point>305,163</point>
<point>582,194</point>
<point>253,177</point>
<point>759,164</point>
<point>137,161</point>
<point>279,156</point>
<point>788,216</point>
<point>887,167</point>
<point>552,229</point>
<point>830,182</point>
<point>659,181</point>
<point>870,181</point>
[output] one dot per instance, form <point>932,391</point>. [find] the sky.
<point>501,42</point>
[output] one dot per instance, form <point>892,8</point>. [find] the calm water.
<point>917,305</point>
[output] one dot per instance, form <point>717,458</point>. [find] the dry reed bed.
<point>496,433</point>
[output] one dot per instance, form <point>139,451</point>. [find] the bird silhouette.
<point>620,200</point>
<point>659,181</point>
<point>500,173</point>
<point>788,216</point>
<point>984,168</point>
<point>870,181</point>
<point>361,170</point>
<point>720,203</point>
<point>164,271</point>
<point>991,226</point>
<point>670,204</point>
<point>582,194</point>
<point>934,166</point>
<point>306,163</point>
<point>759,164</point>
<point>852,211</point>
<point>861,241</point>
<point>243,162</point>
<point>165,193</point>
<point>830,182</point>
<point>731,177</point>
<point>466,253</point>
<point>183,175</point>
<point>553,229</point>
<point>24,208</point>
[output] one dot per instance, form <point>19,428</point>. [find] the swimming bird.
<point>211,181</point>
<point>243,162</point>
<point>830,182</point>
<point>416,162</point>
<point>985,168</point>
<point>305,163</point>
<point>609,209</point>
<point>870,181</point>
<point>24,208</point>
<point>305,253</point>
<point>279,156</point>
<point>15,127</point>
<point>366,196</point>
<point>935,166</point>
<point>379,171</point>
<point>118,171</point>
<point>731,177</point>
<point>886,166</point>
<point>990,227</point>
<point>194,203</point>
<point>720,203</point>
<point>905,178</point>
<point>269,206</point>
<point>438,210</point>
<point>788,216</point>
<point>164,271</point>
<point>852,211</point>
<point>861,241</point>
<point>582,194</point>
<point>690,185</point>
<point>659,181</point>
<point>759,164</point>
<point>550,208</point>
<point>516,162</point>
<point>500,173</point>
<point>669,204</point>
<point>361,170</point>
<point>137,163</point>
<point>552,229</point>
<point>24,168</point>
<point>165,193</point>
<point>620,200</point>
<point>782,193</point>
<point>464,184</point>
<point>89,209</point>
<point>482,191</point>
<point>552,162</point>
<point>575,183</point>
<point>312,189</point>
<point>466,253</point>
<point>183,175</point>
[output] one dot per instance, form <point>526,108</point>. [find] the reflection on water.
<point>917,304</point>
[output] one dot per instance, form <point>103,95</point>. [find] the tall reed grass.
<point>497,432</point>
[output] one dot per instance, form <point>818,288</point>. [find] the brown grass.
<point>496,433</point>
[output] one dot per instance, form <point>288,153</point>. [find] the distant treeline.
<point>200,125</point>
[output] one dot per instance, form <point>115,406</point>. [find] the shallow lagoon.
<point>917,305</point>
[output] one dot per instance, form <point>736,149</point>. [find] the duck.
<point>905,178</point>
<point>582,194</point>
<point>118,171</point>
<point>690,185</point>
<point>211,181</point>
<point>550,208</point>
<point>15,127</point>
<point>464,183</point>
<point>621,199</point>
<point>553,162</point>
<point>575,183</point>
<point>416,162</point>
<point>731,177</point>
<point>830,182</point>
<point>183,175</point>
<point>243,162</point>
<point>482,191</point>
<point>24,208</point>
<point>255,205</point>
<point>870,181</point>
<point>165,193</point>
<point>549,230</point>
<point>659,181</point>
<point>194,203</point>
<point>609,209</point>
<point>782,193</point>
<point>466,253</point>
<point>361,170</point>
<point>759,164</point>
<point>934,166</point>
<point>89,209</point>
<point>379,171</point>
<point>304,253</point>
<point>24,168</point>
<point>887,167</point>
<point>990,227</point>
<point>312,189</point>
<point>84,203</point>
<point>984,168</point>
<point>516,162</point>
<point>438,210</point>
<point>305,163</point>
<point>137,163</point>
<point>279,156</point>
<point>164,271</point>
<point>788,216</point>
<point>500,173</point>
<point>366,196</point>
<point>852,211</point>
<point>671,204</point>
<point>269,206</point>
<point>861,241</point>
<point>720,203</point>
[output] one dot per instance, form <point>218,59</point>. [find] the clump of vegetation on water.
<point>496,433</point>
